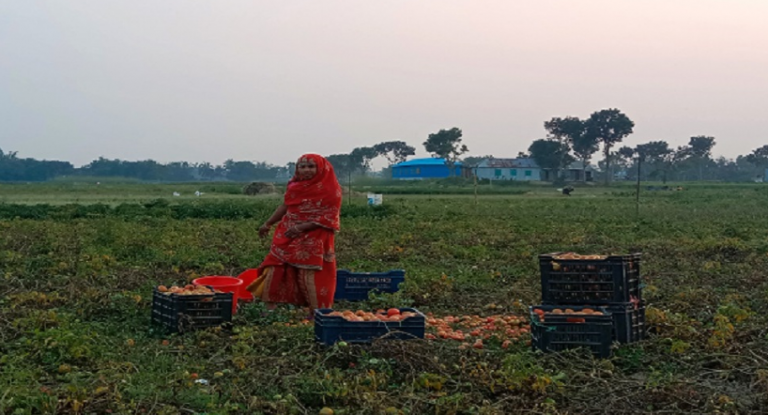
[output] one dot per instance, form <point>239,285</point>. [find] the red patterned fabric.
<point>313,282</point>
<point>317,200</point>
<point>301,287</point>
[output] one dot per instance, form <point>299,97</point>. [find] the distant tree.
<point>394,151</point>
<point>622,159</point>
<point>758,155</point>
<point>584,147</point>
<point>728,170</point>
<point>758,158</point>
<point>698,152</point>
<point>290,168</point>
<point>240,171</point>
<point>342,164</point>
<point>361,157</point>
<point>11,155</point>
<point>552,155</point>
<point>523,155</point>
<point>655,154</point>
<point>13,168</point>
<point>144,170</point>
<point>220,171</point>
<point>658,155</point>
<point>741,170</point>
<point>206,171</point>
<point>701,146</point>
<point>681,162</point>
<point>629,158</point>
<point>178,172</point>
<point>446,144</point>
<point>571,130</point>
<point>574,131</point>
<point>626,152</point>
<point>564,129</point>
<point>103,167</point>
<point>608,127</point>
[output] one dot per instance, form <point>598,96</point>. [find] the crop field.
<point>78,264</point>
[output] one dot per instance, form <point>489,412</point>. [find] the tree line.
<point>14,168</point>
<point>568,139</point>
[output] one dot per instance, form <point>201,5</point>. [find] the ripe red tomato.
<point>393,312</point>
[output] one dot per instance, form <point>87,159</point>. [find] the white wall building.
<point>526,169</point>
<point>523,169</point>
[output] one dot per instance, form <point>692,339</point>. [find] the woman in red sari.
<point>300,268</point>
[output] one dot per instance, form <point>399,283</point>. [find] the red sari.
<point>302,270</point>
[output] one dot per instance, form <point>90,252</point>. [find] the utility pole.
<point>475,185</point>
<point>637,192</point>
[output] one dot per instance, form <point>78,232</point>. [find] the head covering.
<point>317,199</point>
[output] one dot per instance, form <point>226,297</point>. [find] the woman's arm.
<point>279,213</point>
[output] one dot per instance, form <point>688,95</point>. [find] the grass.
<point>75,335</point>
<point>115,192</point>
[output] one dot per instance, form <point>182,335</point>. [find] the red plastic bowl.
<point>223,284</point>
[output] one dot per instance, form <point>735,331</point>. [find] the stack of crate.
<point>608,286</point>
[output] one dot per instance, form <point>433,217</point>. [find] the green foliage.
<point>394,151</point>
<point>573,131</point>
<point>446,144</point>
<point>551,154</point>
<point>13,168</point>
<point>608,127</point>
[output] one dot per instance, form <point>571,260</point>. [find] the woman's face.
<point>306,169</point>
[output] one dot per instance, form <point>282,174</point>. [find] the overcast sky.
<point>210,80</point>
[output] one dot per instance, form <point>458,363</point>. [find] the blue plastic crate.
<point>355,286</point>
<point>331,329</point>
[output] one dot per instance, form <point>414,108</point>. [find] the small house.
<point>427,168</point>
<point>523,169</point>
<point>526,169</point>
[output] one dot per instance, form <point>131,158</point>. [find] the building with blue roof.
<point>427,168</point>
